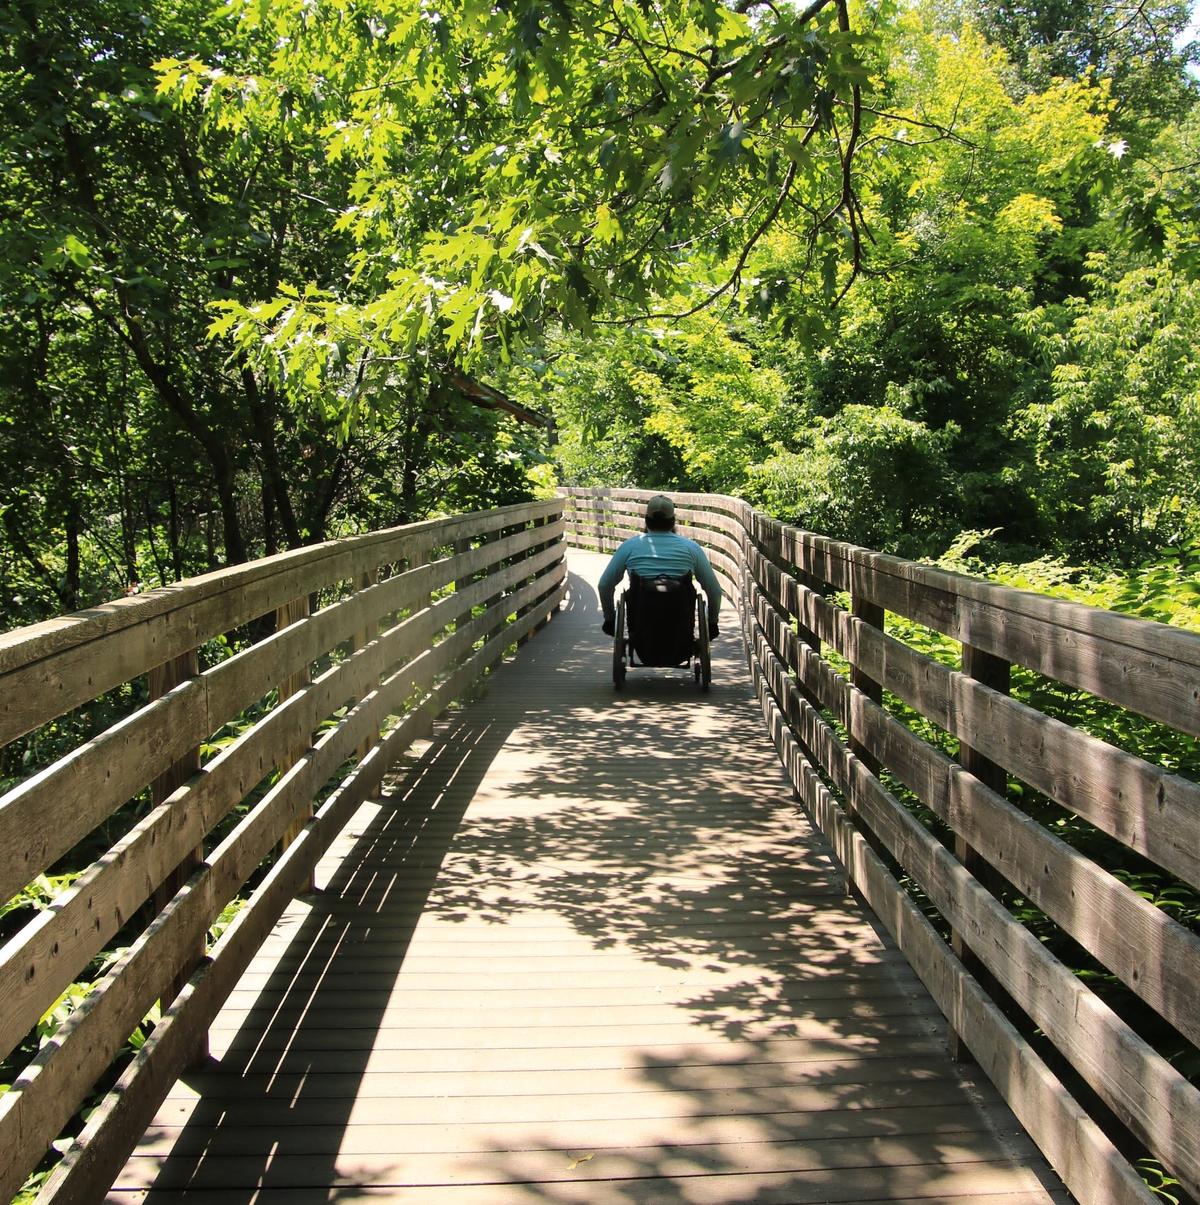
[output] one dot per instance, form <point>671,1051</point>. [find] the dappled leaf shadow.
<point>677,989</point>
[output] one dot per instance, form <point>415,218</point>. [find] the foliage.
<point>1117,445</point>
<point>136,447</point>
<point>855,458</point>
<point>685,406</point>
<point>518,162</point>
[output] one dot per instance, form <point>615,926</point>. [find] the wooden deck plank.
<point>950,1121</point>
<point>731,1190</point>
<point>300,1167</point>
<point>584,948</point>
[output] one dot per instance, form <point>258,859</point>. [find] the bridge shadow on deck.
<point>675,1001</point>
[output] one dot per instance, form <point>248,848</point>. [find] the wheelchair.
<point>662,621</point>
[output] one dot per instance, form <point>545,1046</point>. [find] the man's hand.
<point>608,627</point>
<point>713,630</point>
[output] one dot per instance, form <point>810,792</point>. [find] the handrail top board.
<point>1099,623</point>
<point>23,646</point>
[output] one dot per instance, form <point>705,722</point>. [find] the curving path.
<point>585,949</point>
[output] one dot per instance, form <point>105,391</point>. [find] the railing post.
<point>789,561</point>
<point>162,679</point>
<point>522,611</point>
<point>416,561</point>
<point>872,614</point>
<point>493,599</point>
<point>289,613</point>
<point>362,638</point>
<point>460,546</point>
<point>995,672</point>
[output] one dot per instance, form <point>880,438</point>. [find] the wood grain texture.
<point>1083,1155</point>
<point>608,960</point>
<point>1151,668</point>
<point>1149,809</point>
<point>49,668</point>
<point>1143,1089</point>
<point>113,1128</point>
<point>1158,958</point>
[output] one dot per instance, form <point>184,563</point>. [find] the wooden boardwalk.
<point>585,949</point>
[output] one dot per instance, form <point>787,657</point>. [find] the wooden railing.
<point>363,641</point>
<point>810,607</point>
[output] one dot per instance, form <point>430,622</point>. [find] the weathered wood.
<point>994,673</point>
<point>871,615</point>
<point>1152,811</point>
<point>162,679</point>
<point>50,668</point>
<point>1153,954</point>
<point>291,613</point>
<point>43,1095</point>
<point>1139,1085</point>
<point>49,952</point>
<point>335,560</point>
<point>46,815</point>
<point>67,935</point>
<point>363,637</point>
<point>65,802</point>
<point>43,817</point>
<point>116,1126</point>
<point>1150,668</point>
<point>1075,1146</point>
<point>714,1093</point>
<point>521,612</point>
<point>1135,801</point>
<point>974,615</point>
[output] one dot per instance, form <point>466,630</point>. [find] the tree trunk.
<point>262,414</point>
<point>173,533</point>
<point>270,544</point>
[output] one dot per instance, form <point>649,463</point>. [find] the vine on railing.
<point>836,688</point>
<point>366,641</point>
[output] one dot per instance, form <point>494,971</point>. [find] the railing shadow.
<point>809,1054</point>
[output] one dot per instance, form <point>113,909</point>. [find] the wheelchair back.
<point>661,614</point>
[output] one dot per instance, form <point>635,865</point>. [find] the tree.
<point>133,445</point>
<point>1117,446</point>
<point>688,405</point>
<point>525,162</point>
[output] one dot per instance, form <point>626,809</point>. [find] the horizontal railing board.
<point>62,939</point>
<point>50,812</point>
<point>44,817</point>
<point>34,1109</point>
<point>44,957</point>
<point>1149,1096</point>
<point>112,1132</point>
<point>1037,981</point>
<point>1151,668</point>
<point>1072,1142</point>
<point>794,570</point>
<point>1143,806</point>
<point>47,672</point>
<point>22,646</point>
<point>1095,622</point>
<point>1155,956</point>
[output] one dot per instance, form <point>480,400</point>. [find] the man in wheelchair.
<point>659,553</point>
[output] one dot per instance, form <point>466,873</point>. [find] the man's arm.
<point>709,584</point>
<point>608,582</point>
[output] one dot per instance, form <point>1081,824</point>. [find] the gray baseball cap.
<point>660,507</point>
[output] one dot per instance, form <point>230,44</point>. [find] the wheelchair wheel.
<point>703,669</point>
<point>619,647</point>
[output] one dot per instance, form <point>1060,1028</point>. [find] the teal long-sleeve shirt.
<point>654,553</point>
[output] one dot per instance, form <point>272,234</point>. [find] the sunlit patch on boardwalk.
<point>584,948</point>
